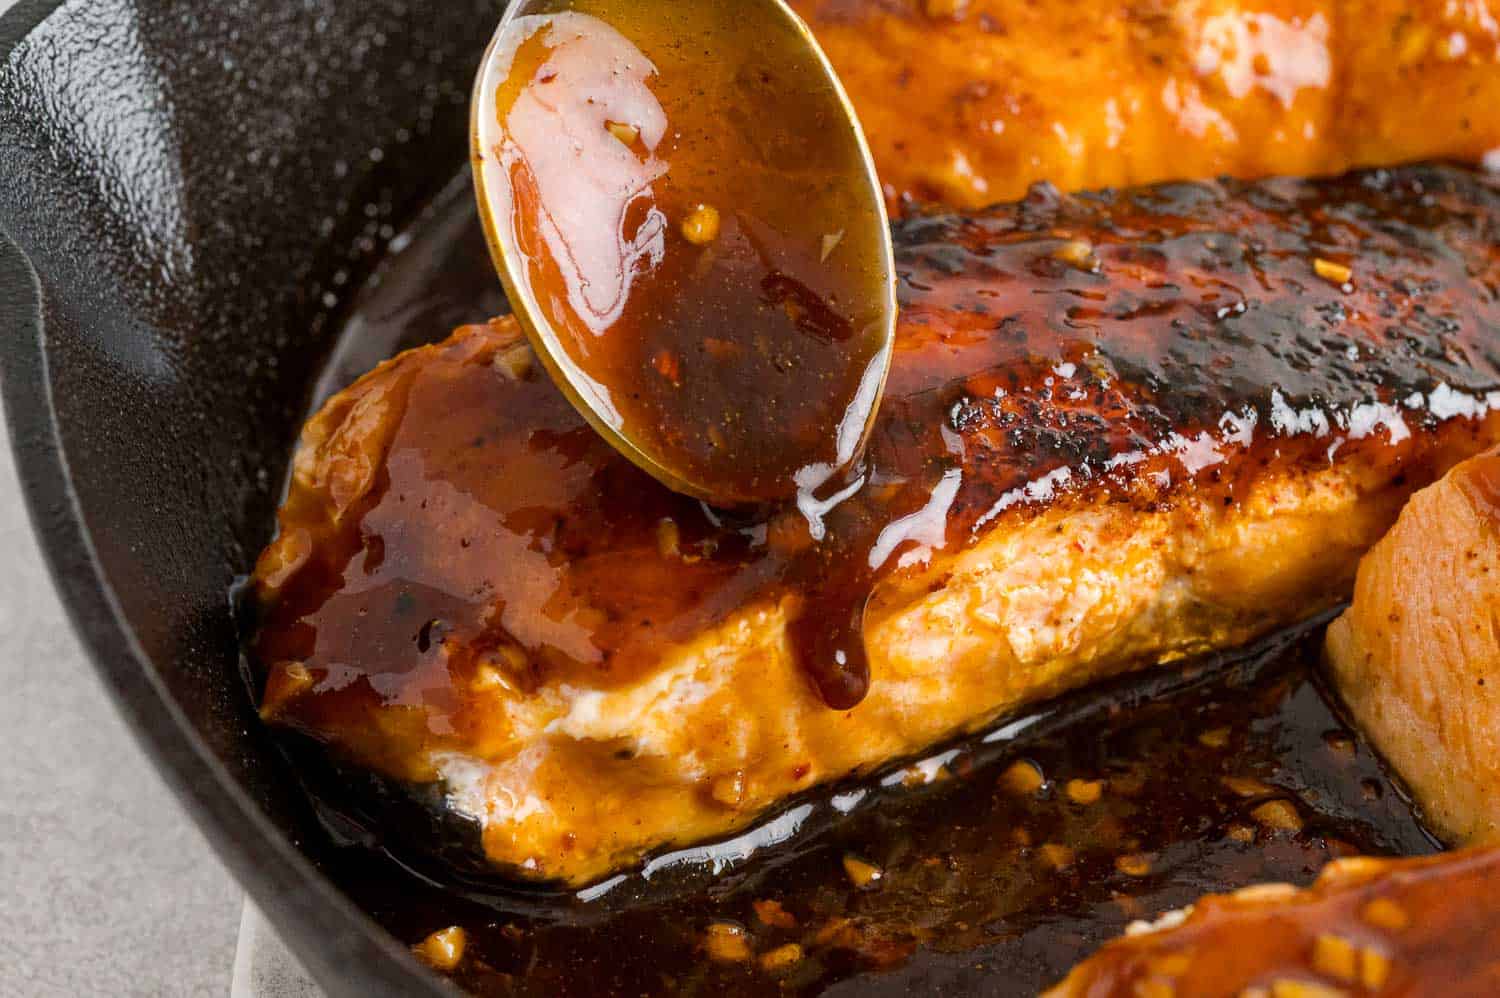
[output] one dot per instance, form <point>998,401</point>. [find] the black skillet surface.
<point>181,186</point>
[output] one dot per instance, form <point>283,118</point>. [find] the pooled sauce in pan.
<point>987,868</point>
<point>991,867</point>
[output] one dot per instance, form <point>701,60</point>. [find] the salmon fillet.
<point>969,101</point>
<point>1416,658</point>
<point>1407,927</point>
<point>1120,429</point>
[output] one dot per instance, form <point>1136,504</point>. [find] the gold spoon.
<point>681,204</point>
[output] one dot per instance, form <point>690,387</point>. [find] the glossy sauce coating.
<point>1414,927</point>
<point>1121,345</point>
<point>684,210</point>
<point>969,101</point>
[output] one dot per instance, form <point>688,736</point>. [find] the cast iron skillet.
<point>178,183</point>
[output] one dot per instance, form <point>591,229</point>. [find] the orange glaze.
<point>1127,346</point>
<point>969,101</point>
<point>1389,927</point>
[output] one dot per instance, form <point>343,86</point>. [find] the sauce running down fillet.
<point>969,101</point>
<point>1391,927</point>
<point>1119,429</point>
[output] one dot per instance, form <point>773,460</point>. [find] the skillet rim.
<point>305,907</point>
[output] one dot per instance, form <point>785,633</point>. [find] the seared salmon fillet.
<point>1416,658</point>
<point>1119,429</point>
<point>969,101</point>
<point>1393,927</point>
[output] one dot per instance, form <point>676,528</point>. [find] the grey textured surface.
<point>106,888</point>
<point>264,967</point>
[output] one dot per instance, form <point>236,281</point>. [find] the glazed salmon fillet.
<point>969,101</point>
<point>1119,429</point>
<point>1416,658</point>
<point>1391,927</point>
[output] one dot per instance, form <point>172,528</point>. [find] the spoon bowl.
<point>681,204</point>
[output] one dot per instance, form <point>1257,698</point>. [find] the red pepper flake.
<point>668,366</point>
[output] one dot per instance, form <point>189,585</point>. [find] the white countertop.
<point>106,887</point>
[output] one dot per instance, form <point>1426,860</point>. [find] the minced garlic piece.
<point>627,134</point>
<point>444,949</point>
<point>1023,778</point>
<point>1374,968</point>
<point>1414,43</point>
<point>1077,253</point>
<point>781,957</point>
<point>514,361</point>
<point>861,874</point>
<point>1057,856</point>
<point>1171,964</point>
<point>1333,273</point>
<point>773,914</point>
<point>1261,893</point>
<point>1085,791</point>
<point>1334,956</point>
<point>1386,914</point>
<point>1279,815</point>
<point>1215,739</point>
<point>1351,870</point>
<point>729,790</point>
<point>1244,786</point>
<point>830,243</point>
<point>726,942</point>
<point>668,538</point>
<point>1155,987</point>
<point>297,675</point>
<point>701,227</point>
<point>1241,832</point>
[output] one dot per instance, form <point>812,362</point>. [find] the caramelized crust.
<point>1119,429</point>
<point>1390,927</point>
<point>1416,658</point>
<point>969,101</point>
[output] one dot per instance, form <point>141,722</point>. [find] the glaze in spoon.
<point>681,204</point>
